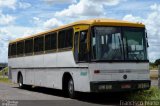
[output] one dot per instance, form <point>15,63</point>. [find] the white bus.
<point>98,55</point>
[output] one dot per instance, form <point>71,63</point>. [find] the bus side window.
<point>83,46</point>
<point>28,46</point>
<point>20,48</point>
<point>39,44</point>
<point>9,51</point>
<point>14,49</point>
<point>69,37</point>
<point>65,38</point>
<point>51,41</point>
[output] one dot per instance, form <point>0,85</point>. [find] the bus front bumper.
<point>118,86</point>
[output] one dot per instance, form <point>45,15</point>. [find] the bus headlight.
<point>105,87</point>
<point>108,87</point>
<point>101,87</point>
<point>143,85</point>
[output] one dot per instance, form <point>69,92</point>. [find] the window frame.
<point>79,43</point>
<point>23,48</point>
<point>29,53</point>
<point>9,50</point>
<point>66,34</point>
<point>126,41</point>
<point>51,49</point>
<point>91,51</point>
<point>76,46</point>
<point>15,49</point>
<point>38,50</point>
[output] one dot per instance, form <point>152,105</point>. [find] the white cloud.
<point>37,21</point>
<point>155,7</point>
<point>86,8</point>
<point>3,32</point>
<point>59,1</point>
<point>13,4</point>
<point>5,36</point>
<point>6,19</point>
<point>21,31</point>
<point>107,2</point>
<point>47,24</point>
<point>132,18</point>
<point>36,18</point>
<point>31,31</point>
<point>152,25</point>
<point>12,32</point>
<point>8,3</point>
<point>24,5</point>
<point>52,23</point>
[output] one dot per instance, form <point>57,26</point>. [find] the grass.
<point>153,68</point>
<point>152,94</point>
<point>4,79</point>
<point>149,97</point>
<point>5,70</point>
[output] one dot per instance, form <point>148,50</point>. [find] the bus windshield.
<point>118,43</point>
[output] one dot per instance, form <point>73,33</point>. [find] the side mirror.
<point>147,44</point>
<point>146,39</point>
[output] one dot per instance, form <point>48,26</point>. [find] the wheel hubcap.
<point>70,87</point>
<point>20,82</point>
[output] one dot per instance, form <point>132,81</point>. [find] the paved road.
<point>49,97</point>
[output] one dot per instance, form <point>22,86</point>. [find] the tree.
<point>157,62</point>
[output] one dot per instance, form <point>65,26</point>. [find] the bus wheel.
<point>20,82</point>
<point>71,91</point>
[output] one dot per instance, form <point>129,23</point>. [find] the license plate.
<point>125,86</point>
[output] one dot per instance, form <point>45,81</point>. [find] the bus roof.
<point>91,22</point>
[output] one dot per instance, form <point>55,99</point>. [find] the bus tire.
<point>20,81</point>
<point>70,88</point>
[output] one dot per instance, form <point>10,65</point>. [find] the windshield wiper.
<point>128,51</point>
<point>135,56</point>
<point>120,42</point>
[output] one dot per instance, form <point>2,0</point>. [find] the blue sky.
<point>19,18</point>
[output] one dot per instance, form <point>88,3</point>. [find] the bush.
<point>4,71</point>
<point>152,94</point>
